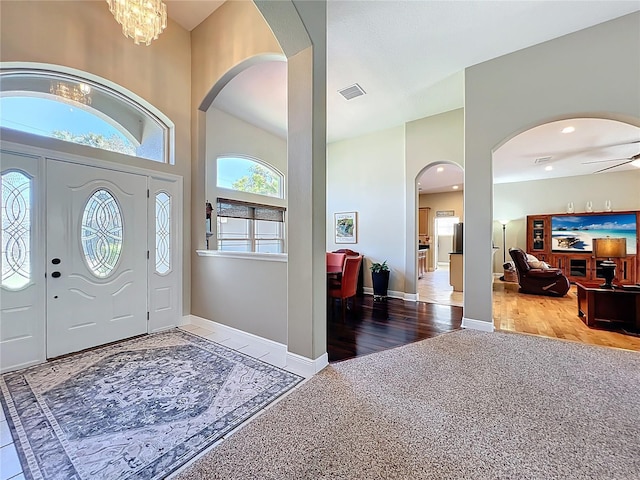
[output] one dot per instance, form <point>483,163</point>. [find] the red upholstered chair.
<point>349,284</point>
<point>353,253</point>
<point>335,260</point>
<point>538,281</point>
<point>347,251</point>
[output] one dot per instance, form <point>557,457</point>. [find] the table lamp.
<point>609,248</point>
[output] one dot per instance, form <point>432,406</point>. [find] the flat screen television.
<point>575,233</point>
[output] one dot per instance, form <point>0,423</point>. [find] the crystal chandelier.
<point>142,20</point>
<point>77,93</point>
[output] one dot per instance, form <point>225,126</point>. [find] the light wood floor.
<point>530,314</point>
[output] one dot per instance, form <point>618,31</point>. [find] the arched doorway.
<point>573,165</point>
<point>440,188</point>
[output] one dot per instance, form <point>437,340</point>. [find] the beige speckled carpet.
<point>464,405</point>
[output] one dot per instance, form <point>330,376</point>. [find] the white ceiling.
<point>409,56</point>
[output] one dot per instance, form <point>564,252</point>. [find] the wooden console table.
<point>620,305</point>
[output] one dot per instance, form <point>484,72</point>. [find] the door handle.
<point>55,261</point>
<point>55,274</point>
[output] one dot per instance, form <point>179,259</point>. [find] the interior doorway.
<point>440,206</point>
<point>444,240</point>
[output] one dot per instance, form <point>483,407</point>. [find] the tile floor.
<point>11,469</point>
<point>434,287</point>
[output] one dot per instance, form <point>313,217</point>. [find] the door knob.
<point>55,261</point>
<point>55,274</point>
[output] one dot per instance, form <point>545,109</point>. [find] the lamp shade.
<point>610,247</point>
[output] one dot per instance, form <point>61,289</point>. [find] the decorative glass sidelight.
<point>16,230</point>
<point>102,233</point>
<point>163,233</point>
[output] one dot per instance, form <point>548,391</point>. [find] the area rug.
<point>465,405</point>
<point>136,409</point>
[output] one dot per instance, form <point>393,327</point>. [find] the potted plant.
<point>380,278</point>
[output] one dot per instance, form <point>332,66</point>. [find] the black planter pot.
<point>380,284</point>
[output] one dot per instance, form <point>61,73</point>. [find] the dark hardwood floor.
<point>370,326</point>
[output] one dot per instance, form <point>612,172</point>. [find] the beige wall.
<point>366,175</point>
<point>84,36</point>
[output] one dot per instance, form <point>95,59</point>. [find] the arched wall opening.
<point>523,89</point>
<point>439,190</point>
<point>300,30</point>
<point>568,163</point>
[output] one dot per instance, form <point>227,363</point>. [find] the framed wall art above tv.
<point>575,233</point>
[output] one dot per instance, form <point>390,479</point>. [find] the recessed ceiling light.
<point>568,130</point>
<point>548,168</point>
<point>440,169</point>
<point>455,187</point>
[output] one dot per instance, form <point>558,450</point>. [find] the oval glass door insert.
<point>102,233</point>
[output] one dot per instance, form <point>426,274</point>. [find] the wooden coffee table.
<point>598,306</point>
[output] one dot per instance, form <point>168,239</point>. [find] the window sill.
<point>266,257</point>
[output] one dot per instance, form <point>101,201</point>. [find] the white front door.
<point>96,266</point>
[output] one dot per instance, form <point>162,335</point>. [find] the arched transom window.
<point>81,111</point>
<point>250,176</point>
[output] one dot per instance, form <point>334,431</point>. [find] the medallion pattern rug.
<point>138,409</point>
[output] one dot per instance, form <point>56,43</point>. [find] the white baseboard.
<point>411,297</point>
<point>274,353</point>
<point>390,293</point>
<point>304,366</point>
<point>481,325</point>
<point>267,350</point>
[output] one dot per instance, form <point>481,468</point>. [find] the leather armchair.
<point>538,281</point>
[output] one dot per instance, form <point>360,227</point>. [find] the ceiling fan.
<point>622,161</point>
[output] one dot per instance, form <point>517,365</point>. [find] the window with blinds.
<point>249,227</point>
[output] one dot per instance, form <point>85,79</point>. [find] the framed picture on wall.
<point>346,227</point>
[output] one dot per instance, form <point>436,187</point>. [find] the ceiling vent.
<point>540,160</point>
<point>353,91</point>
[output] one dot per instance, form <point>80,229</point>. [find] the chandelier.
<point>77,93</point>
<point>142,20</point>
